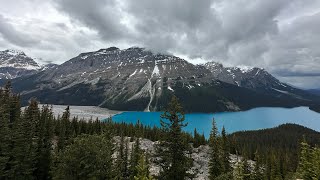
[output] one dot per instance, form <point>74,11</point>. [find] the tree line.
<point>37,145</point>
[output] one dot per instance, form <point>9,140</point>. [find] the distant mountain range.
<point>14,63</point>
<point>138,79</point>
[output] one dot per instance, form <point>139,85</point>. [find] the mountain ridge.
<point>15,63</point>
<point>138,79</point>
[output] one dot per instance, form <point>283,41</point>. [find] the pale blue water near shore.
<point>257,118</point>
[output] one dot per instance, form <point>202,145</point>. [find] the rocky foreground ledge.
<point>199,155</point>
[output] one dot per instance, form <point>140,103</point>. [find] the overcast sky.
<point>282,36</point>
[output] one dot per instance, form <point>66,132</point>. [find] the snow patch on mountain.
<point>245,69</point>
<point>155,71</point>
<point>14,52</point>
<point>170,89</point>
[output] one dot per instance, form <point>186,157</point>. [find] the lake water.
<point>258,118</point>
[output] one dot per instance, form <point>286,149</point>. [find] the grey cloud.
<point>236,32</point>
<point>295,51</point>
<point>14,36</point>
<point>103,16</point>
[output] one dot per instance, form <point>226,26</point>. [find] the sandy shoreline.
<point>84,112</point>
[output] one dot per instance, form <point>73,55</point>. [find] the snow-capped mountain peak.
<point>14,52</point>
<point>15,63</point>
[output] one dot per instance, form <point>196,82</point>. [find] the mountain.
<point>138,79</point>
<point>314,91</point>
<point>257,79</point>
<point>14,63</point>
<point>253,78</point>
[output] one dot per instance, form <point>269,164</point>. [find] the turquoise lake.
<point>257,118</point>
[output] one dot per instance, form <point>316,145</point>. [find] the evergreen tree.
<point>142,169</point>
<point>316,161</point>
<point>246,169</point>
<point>257,170</point>
<point>225,152</point>
<point>26,138</point>
<point>215,164</point>
<point>238,171</point>
<point>306,167</point>
<point>122,159</point>
<point>125,159</point>
<point>44,143</point>
<point>88,157</point>
<point>10,116</point>
<point>134,159</point>
<point>171,152</point>
<point>5,136</point>
<point>196,142</point>
<point>63,129</point>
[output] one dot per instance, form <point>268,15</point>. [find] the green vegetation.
<point>276,149</point>
<point>37,145</point>
<point>174,149</point>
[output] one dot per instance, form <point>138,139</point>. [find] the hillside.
<point>283,142</point>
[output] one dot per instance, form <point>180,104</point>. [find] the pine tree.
<point>88,157</point>
<point>173,161</point>
<point>246,169</point>
<point>10,116</point>
<point>126,159</point>
<point>257,170</point>
<point>238,171</point>
<point>135,156</point>
<point>225,152</point>
<point>306,168</point>
<point>44,143</point>
<point>63,129</point>
<point>142,169</point>
<point>316,161</point>
<point>122,159</point>
<point>215,164</point>
<point>5,141</point>
<point>26,138</point>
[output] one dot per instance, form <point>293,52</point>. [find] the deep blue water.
<point>258,118</point>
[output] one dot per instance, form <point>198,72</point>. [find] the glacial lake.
<point>254,119</point>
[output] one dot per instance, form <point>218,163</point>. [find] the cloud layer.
<point>279,35</point>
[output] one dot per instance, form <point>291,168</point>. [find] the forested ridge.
<point>37,145</point>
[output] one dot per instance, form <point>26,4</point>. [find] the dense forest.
<point>37,145</point>
<point>277,146</point>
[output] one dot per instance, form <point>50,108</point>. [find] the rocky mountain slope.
<point>15,63</point>
<point>137,79</point>
<point>314,91</point>
<point>253,78</point>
